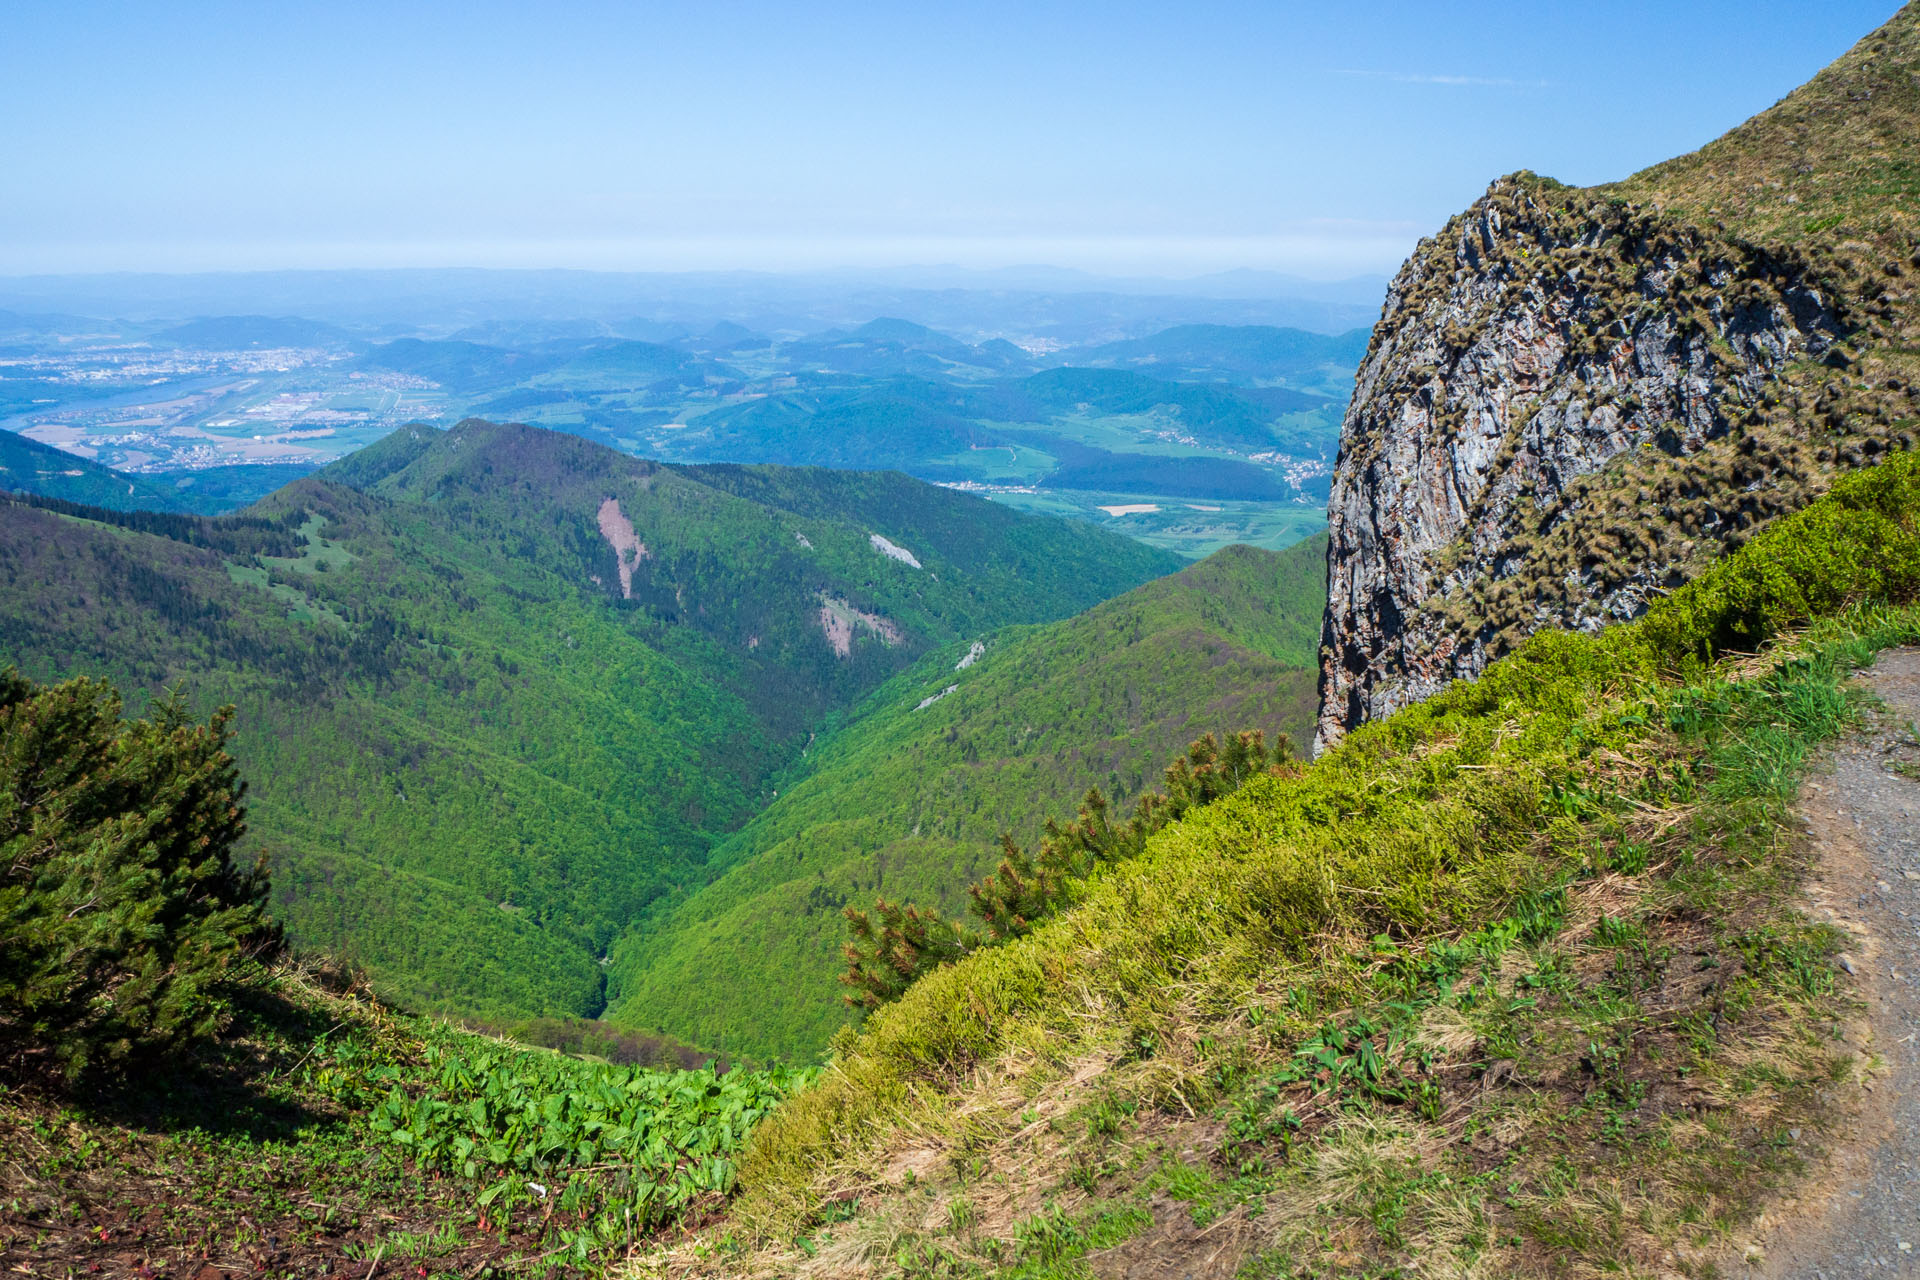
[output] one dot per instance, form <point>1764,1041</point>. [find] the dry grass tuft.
<point>1446,1032</point>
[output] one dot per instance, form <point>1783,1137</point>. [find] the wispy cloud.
<point>1411,77</point>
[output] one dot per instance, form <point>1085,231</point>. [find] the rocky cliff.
<point>1575,397</point>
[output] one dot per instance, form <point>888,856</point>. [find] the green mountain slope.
<point>909,796</point>
<point>27,466</point>
<point>731,569</point>
<point>481,740</point>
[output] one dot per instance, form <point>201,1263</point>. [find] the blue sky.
<point>1167,140</point>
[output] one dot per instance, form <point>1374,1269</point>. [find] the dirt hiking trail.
<point>1860,1214</point>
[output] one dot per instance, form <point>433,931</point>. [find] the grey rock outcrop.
<point>1567,402</point>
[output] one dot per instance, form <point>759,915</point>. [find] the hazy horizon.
<point>976,303</point>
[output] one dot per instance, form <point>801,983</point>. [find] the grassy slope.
<point>909,801</point>
<point>1837,157</point>
<point>1591,1010</point>
<point>448,721</point>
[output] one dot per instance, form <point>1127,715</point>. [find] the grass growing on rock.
<point>1512,975</point>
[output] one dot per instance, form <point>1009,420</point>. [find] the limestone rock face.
<point>1545,338</point>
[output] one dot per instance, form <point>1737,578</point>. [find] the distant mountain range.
<point>1199,413</point>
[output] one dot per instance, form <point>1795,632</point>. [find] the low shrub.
<point>122,914</point>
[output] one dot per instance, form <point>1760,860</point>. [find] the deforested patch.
<point>893,550</point>
<point>839,620</point>
<point>932,698</point>
<point>628,550</point>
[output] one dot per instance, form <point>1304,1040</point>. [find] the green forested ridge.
<point>29,467</point>
<point>735,561</point>
<point>241,536</point>
<point>419,763</point>
<point>909,800</point>
<point>476,757</point>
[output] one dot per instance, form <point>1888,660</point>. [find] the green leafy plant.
<point>602,1152</point>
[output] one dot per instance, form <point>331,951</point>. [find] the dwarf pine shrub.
<point>122,913</point>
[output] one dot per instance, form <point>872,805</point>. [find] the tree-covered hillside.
<point>27,466</point>
<point>498,689</point>
<point>909,796</point>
